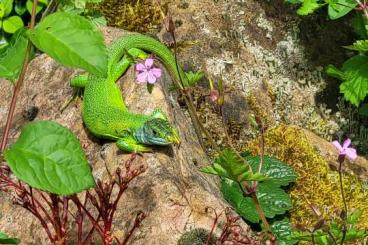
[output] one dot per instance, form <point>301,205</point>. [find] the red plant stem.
<point>88,237</point>
<point>138,220</point>
<point>260,212</point>
<point>19,84</point>
<point>65,215</point>
<point>212,228</point>
<point>56,217</point>
<point>94,222</point>
<point>79,221</point>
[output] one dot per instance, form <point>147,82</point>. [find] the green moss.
<point>131,15</point>
<point>196,237</point>
<point>317,183</point>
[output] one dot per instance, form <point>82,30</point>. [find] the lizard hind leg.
<point>129,144</point>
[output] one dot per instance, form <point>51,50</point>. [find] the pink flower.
<point>146,72</point>
<point>345,150</point>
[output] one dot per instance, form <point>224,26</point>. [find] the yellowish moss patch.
<point>316,182</point>
<point>131,15</point>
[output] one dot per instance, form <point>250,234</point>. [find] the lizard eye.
<point>155,133</point>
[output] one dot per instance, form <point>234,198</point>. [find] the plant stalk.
<point>18,85</point>
<point>341,160</point>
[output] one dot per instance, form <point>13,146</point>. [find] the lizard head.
<point>157,131</point>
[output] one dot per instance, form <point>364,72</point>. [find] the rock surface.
<point>172,192</point>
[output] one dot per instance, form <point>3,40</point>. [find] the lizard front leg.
<point>129,144</point>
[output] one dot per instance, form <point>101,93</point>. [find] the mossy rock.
<point>317,183</point>
<point>132,15</point>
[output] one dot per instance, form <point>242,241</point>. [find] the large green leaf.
<point>339,8</point>
<point>12,56</point>
<point>308,7</point>
<point>232,166</point>
<point>5,239</point>
<point>282,230</point>
<point>280,173</point>
<point>360,45</point>
<point>273,200</point>
<point>49,157</point>
<point>72,40</point>
<point>12,24</point>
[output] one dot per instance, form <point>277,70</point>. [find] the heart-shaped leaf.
<point>49,157</point>
<point>12,24</point>
<point>71,40</point>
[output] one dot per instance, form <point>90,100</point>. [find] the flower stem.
<point>341,160</point>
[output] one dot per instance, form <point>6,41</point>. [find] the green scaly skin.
<point>104,111</point>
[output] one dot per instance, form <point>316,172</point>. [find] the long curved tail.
<point>148,44</point>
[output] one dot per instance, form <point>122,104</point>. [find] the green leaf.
<point>332,71</point>
<point>12,56</point>
<point>194,77</point>
<point>360,45</point>
<point>8,7</point>
<point>2,10</point>
<point>280,173</point>
<point>229,165</point>
<point>354,217</point>
<point>71,40</point>
<point>40,5</point>
<point>20,8</point>
<point>282,230</point>
<point>355,86</point>
<point>308,7</point>
<point>97,19</point>
<point>339,8</point>
<point>5,239</point>
<point>273,200</point>
<point>12,24</point>
<point>49,157</point>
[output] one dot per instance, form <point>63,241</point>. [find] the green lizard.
<point>104,111</point>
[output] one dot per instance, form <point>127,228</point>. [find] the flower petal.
<point>151,78</point>
<point>351,153</point>
<point>148,63</point>
<point>337,145</point>
<point>156,72</point>
<point>140,67</point>
<point>346,143</point>
<point>142,77</point>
